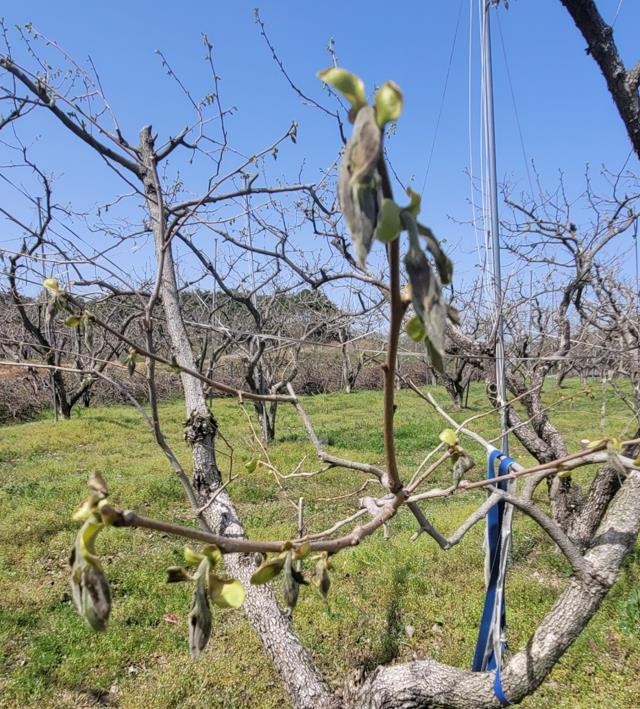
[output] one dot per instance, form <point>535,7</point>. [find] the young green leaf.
<point>415,329</point>
<point>213,554</point>
<point>389,103</point>
<point>52,285</point>
<point>389,224</point>
<point>348,84</point>
<point>302,552</point>
<point>86,509</point>
<point>415,202</point>
<point>191,556</point>
<point>226,593</point>
<point>268,570</point>
<point>449,437</point>
<point>73,321</point>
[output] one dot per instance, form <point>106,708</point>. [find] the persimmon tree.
<point>231,570</point>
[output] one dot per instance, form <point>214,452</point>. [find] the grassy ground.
<point>49,658</point>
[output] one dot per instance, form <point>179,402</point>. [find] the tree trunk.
<point>454,388</point>
<point>430,684</point>
<point>303,681</point>
<point>603,488</point>
<point>63,407</point>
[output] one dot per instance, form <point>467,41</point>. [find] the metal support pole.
<point>494,223</point>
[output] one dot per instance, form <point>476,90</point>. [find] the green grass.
<point>49,658</point>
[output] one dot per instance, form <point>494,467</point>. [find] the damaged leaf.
<point>442,261</point>
<point>291,583</point>
<point>200,617</point>
<point>427,301</point>
<point>89,585</point>
<point>359,184</point>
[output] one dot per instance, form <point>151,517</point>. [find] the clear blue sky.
<point>566,116</point>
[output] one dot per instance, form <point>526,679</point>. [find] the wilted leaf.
<point>88,332</point>
<point>268,570</point>
<point>290,586</point>
<point>359,185</point>
<point>427,302</point>
<point>132,361</point>
<point>97,483</point>
<point>96,597</point>
<point>200,618</point>
<point>321,578</point>
<point>461,466</point>
<point>388,103</point>
<point>298,576</point>
<point>442,261</point>
<point>176,574</point>
<point>89,586</point>
<point>614,461</point>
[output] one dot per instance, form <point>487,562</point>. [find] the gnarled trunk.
<point>430,684</point>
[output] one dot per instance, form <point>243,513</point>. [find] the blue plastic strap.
<point>484,656</point>
<point>499,692</point>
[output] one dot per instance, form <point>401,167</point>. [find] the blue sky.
<point>543,78</point>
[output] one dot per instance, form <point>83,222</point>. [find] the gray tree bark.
<point>429,684</point>
<point>621,82</point>
<point>302,679</point>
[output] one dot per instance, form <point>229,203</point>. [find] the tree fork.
<point>305,685</point>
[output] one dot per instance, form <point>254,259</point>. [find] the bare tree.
<point>372,214</point>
